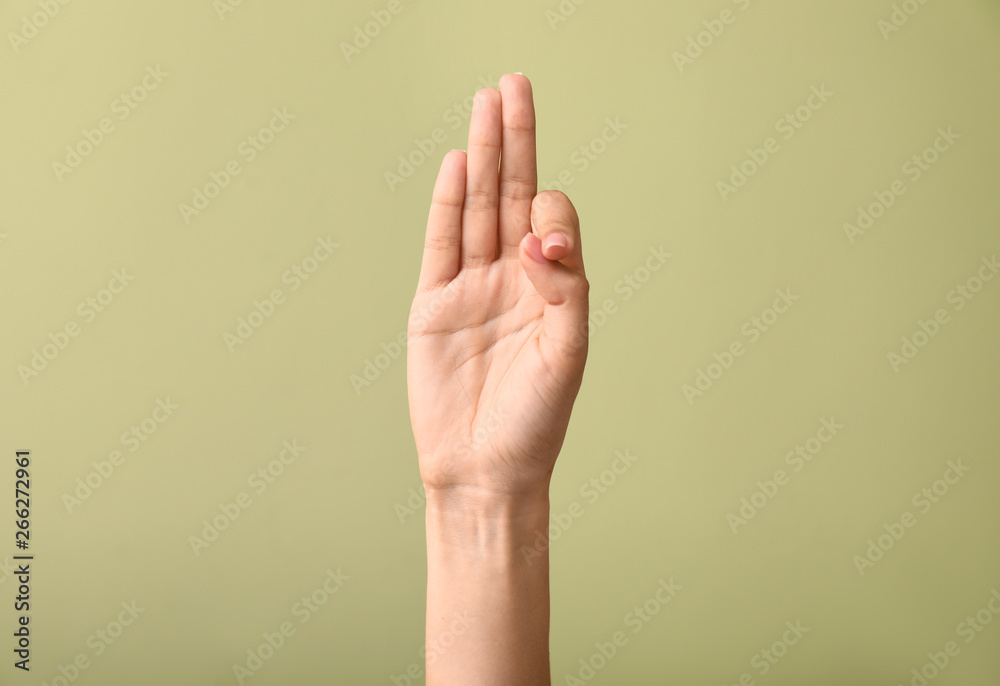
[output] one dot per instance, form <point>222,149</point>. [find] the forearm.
<point>487,589</point>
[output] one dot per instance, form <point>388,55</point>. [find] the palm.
<point>476,363</point>
<point>495,355</point>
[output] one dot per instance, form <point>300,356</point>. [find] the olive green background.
<point>351,500</point>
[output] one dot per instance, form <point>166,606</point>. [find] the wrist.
<point>487,587</point>
<point>463,519</point>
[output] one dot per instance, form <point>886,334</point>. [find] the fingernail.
<point>533,246</point>
<point>555,240</point>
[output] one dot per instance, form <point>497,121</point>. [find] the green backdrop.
<point>782,466</point>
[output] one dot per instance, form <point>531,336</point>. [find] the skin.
<point>497,343</point>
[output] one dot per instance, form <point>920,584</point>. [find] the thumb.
<point>566,293</point>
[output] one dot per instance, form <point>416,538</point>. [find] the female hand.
<point>497,334</point>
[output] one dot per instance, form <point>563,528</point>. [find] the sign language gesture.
<point>496,345</point>
<point>497,336</point>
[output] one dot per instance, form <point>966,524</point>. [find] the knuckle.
<point>554,206</point>
<point>517,188</point>
<point>477,261</point>
<point>519,121</point>
<point>442,242</point>
<point>551,197</point>
<point>479,200</point>
<point>448,202</point>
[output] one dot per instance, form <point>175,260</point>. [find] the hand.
<point>497,335</point>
